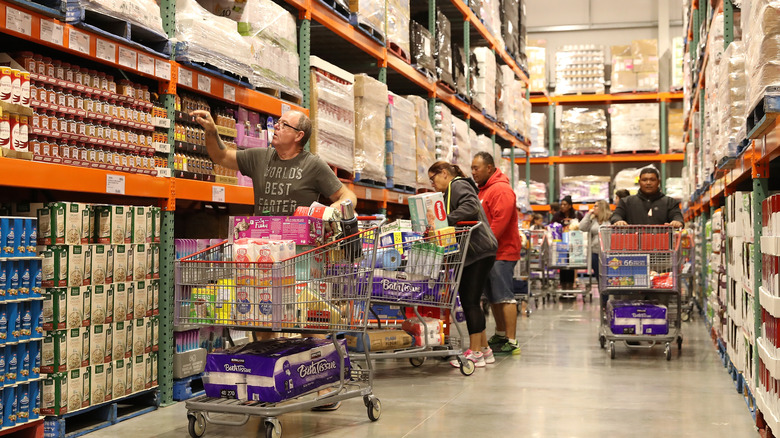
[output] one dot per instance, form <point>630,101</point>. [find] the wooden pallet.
<point>762,116</point>
<point>447,86</point>
<point>399,51</point>
<point>357,22</point>
<point>187,388</point>
<point>128,33</point>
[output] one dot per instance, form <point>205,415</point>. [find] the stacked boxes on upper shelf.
<point>425,140</point>
<point>635,67</point>
<point>537,68</point>
<point>761,34</point>
<point>370,13</point>
<point>101,270</point>
<point>444,55</point>
<point>332,114</point>
<point>537,133</point>
<point>586,188</point>
<point>579,69</point>
<point>635,127</point>
<point>732,102</point>
<point>513,109</point>
<point>422,47</point>
<point>461,144</point>
<point>485,87</point>
<point>401,150</point>
<point>397,19</point>
<point>442,127</point>
<point>370,123</point>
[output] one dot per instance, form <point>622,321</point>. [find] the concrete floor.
<point>563,385</point>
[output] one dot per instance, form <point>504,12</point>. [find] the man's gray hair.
<point>304,125</point>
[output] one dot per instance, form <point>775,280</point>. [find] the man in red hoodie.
<point>498,201</point>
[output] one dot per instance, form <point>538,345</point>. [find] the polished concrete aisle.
<point>563,385</point>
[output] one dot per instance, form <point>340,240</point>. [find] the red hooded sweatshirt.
<point>498,201</point>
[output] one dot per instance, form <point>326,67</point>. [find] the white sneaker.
<point>476,357</point>
<point>487,354</point>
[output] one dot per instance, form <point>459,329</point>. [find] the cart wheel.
<point>668,351</point>
<point>374,408</point>
<point>273,429</point>
<point>416,361</point>
<point>611,349</point>
<point>527,312</point>
<point>536,302</point>
<point>602,341</point>
<point>686,316</point>
<point>467,367</point>
<point>197,426</point>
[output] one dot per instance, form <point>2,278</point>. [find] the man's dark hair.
<point>486,157</point>
<point>622,193</point>
<point>649,169</point>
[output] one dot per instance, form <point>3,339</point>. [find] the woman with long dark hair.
<point>564,217</point>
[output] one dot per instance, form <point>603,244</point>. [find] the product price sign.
<point>162,69</point>
<point>115,184</point>
<point>18,21</point>
<point>128,58</point>
<point>51,32</point>
<point>105,50</point>
<point>285,108</point>
<point>400,198</point>
<point>185,77</point>
<point>78,41</point>
<point>229,92</point>
<point>217,194</point>
<point>368,193</point>
<point>204,84</point>
<point>145,64</point>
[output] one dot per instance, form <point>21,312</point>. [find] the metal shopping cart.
<point>428,276</point>
<point>532,267</point>
<point>324,290</point>
<point>571,253</point>
<point>640,287</point>
<point>687,264</point>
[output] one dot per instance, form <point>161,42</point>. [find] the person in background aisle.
<point>537,222</point>
<point>621,194</point>
<point>555,207</point>
<point>564,217</point>
<point>497,199</point>
<point>649,206</point>
<point>284,176</point>
<point>462,204</point>
<point>599,215</point>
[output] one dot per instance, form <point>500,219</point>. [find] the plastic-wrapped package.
<point>677,62</point>
<point>442,128</point>
<point>635,127</point>
<point>444,49</point>
<point>527,107</point>
<point>421,42</point>
<point>731,94</point>
<point>627,179</point>
<point>579,69</point>
<point>675,121</point>
<point>623,77</point>
<point>490,12</point>
<point>203,37</point>
<point>484,144</point>
<point>474,143</point>
<point>645,57</point>
<point>510,26</point>
<point>586,188</point>
<point>333,115</point>
<point>370,13</point>
<point>485,84</point>
<point>461,143</point>
<point>762,50</point>
<point>537,68</point>
<point>537,193</point>
<point>370,123</point>
<point>583,131</point>
<point>537,135</point>
<point>424,140</point>
<point>674,188</point>
<point>398,18</point>
<point>145,13</point>
<point>401,150</point>
<point>459,63</point>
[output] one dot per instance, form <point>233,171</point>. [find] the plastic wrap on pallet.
<point>510,26</point>
<point>421,42</point>
<point>370,13</point>
<point>145,13</point>
<point>474,140</point>
<point>459,63</point>
<point>333,119</point>
<point>579,69</point>
<point>762,50</point>
<point>538,135</point>
<point>675,120</point>
<point>635,127</point>
<point>205,38</point>
<point>537,193</point>
<point>442,127</point>
<point>731,94</point>
<point>583,131</point>
<point>444,49</point>
<point>370,122</point>
<point>623,76</point>
<point>490,13</point>
<point>537,68</point>
<point>674,188</point>
<point>586,188</point>
<point>461,143</point>
<point>484,144</point>
<point>401,150</point>
<point>678,48</point>
<point>485,83</point>
<point>525,121</point>
<point>424,140</point>
<point>627,179</point>
<point>398,18</point>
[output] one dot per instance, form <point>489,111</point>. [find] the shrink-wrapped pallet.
<point>442,128</point>
<point>579,69</point>
<point>586,188</point>
<point>398,18</point>
<point>537,68</point>
<point>583,131</point>
<point>424,141</point>
<point>537,135</point>
<point>485,83</point>
<point>444,65</point>
<point>731,94</point>
<point>401,142</point>
<point>370,13</point>
<point>145,13</point>
<point>422,48</point>
<point>333,115</point>
<point>635,127</point>
<point>461,147</point>
<point>370,123</point>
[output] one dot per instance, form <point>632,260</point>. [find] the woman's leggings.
<point>472,283</point>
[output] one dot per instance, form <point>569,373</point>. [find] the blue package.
<point>35,400</point>
<point>26,320</point>
<point>31,228</point>
<point>21,242</point>
<point>35,360</point>
<point>25,283</point>
<point>14,322</point>
<point>11,364</point>
<point>3,323</point>
<point>36,277</point>
<point>7,236</point>
<point>3,280</point>
<point>23,356</point>
<point>36,310</point>
<point>22,403</point>
<point>9,406</point>
<point>3,367</point>
<point>12,273</point>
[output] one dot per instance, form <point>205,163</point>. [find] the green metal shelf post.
<point>304,64</point>
<point>760,192</point>
<point>703,256</point>
<point>728,23</point>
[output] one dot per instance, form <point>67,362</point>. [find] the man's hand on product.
<point>621,224</point>
<point>204,119</point>
<point>676,224</point>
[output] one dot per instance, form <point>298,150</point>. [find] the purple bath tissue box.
<point>638,318</point>
<point>401,286</point>
<point>275,370</point>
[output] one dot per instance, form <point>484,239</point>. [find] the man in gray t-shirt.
<point>284,176</point>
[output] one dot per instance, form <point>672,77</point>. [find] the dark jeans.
<point>567,276</point>
<point>594,263</point>
<point>472,283</point>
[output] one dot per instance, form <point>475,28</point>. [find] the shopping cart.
<point>532,268</point>
<point>571,253</point>
<point>640,271</point>
<point>324,290</point>
<point>687,263</point>
<point>428,281</point>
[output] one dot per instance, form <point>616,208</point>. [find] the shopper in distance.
<point>498,201</point>
<point>284,176</point>
<point>565,216</point>
<point>649,206</point>
<point>462,205</point>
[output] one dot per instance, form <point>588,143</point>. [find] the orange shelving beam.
<point>613,158</point>
<point>192,190</point>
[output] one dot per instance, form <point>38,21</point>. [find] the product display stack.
<point>444,134</point>
<point>370,123</point>
<point>583,131</point>
<point>761,33</point>
<point>635,127</point>
<point>537,193</point>
<point>401,151</point>
<point>485,87</point>
<point>397,24</point>
<point>579,69</point>
<point>461,143</point>
<point>732,100</point>
<point>586,188</point>
<point>425,140</point>
<point>537,68</point>
<point>510,28</point>
<point>333,114</point>
<point>675,120</point>
<point>537,133</point>
<point>635,67</point>
<point>444,55</point>
<point>721,307</point>
<point>768,341</point>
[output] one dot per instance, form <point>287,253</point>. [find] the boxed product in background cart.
<point>637,318</point>
<point>379,340</point>
<point>301,230</point>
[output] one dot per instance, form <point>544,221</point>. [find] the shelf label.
<point>400,198</point>
<point>185,77</point>
<point>145,64</point>
<point>229,92</point>
<point>78,41</point>
<point>18,21</point>
<point>217,193</point>
<point>285,108</point>
<point>51,32</point>
<point>368,193</point>
<point>115,184</point>
<point>128,58</point>
<point>204,84</point>
<point>105,50</point>
<point>162,69</point>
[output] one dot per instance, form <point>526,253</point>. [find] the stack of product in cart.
<point>20,320</point>
<point>569,250</point>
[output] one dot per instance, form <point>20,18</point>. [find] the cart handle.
<point>473,224</point>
